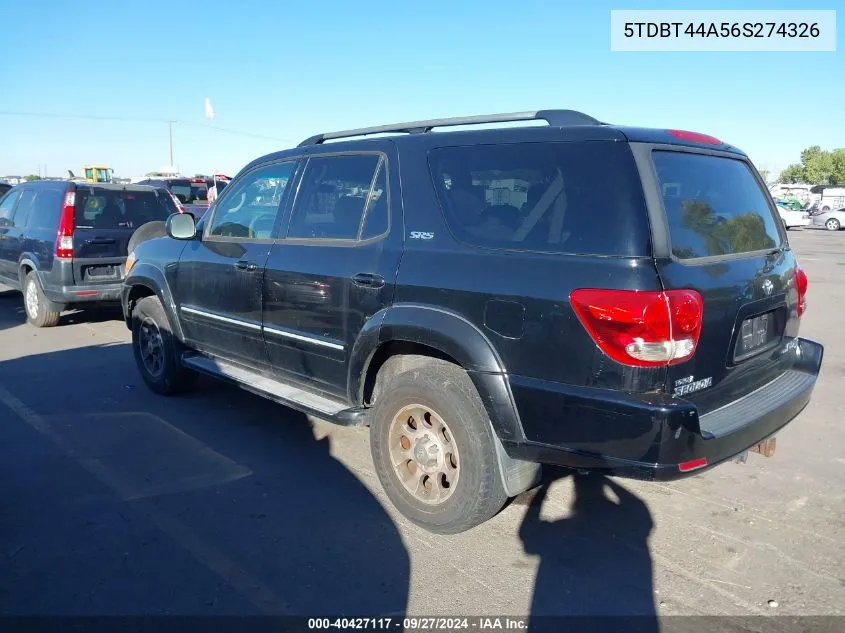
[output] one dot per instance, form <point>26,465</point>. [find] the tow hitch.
<point>766,448</point>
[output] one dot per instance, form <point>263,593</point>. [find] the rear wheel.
<point>434,451</point>
<point>40,311</point>
<point>157,351</point>
<point>832,224</point>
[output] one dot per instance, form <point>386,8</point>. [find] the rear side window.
<point>24,208</point>
<point>118,209</point>
<point>46,210</point>
<point>332,197</point>
<point>7,207</point>
<point>558,197</point>
<point>713,205</point>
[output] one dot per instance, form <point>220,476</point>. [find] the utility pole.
<point>170,131</point>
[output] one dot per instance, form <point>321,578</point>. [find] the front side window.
<point>333,195</point>
<point>714,205</point>
<point>251,205</point>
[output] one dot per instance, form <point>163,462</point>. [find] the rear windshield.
<point>181,189</point>
<point>714,206</point>
<point>199,191</point>
<point>116,209</point>
<point>558,197</point>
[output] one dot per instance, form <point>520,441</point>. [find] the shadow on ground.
<point>595,561</point>
<point>115,501</point>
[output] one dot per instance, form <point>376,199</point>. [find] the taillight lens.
<point>695,137</point>
<point>64,239</point>
<point>801,283</point>
<point>644,329</point>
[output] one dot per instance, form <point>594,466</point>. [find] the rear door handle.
<point>370,280</point>
<point>101,240</point>
<point>245,265</point>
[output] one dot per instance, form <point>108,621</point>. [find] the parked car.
<point>474,311</point>
<point>191,194</point>
<point>831,220</point>
<point>64,244</point>
<point>793,218</point>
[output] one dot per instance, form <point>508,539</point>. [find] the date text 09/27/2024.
<point>420,624</point>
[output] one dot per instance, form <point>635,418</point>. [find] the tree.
<point>817,167</point>
<point>32,177</point>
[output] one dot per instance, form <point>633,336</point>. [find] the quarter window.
<point>250,206</point>
<point>334,194</point>
<point>7,206</point>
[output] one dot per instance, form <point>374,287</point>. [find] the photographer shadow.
<point>595,562</point>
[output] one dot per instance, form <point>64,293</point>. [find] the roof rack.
<point>552,117</point>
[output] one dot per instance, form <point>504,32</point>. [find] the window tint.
<point>714,206</point>
<point>331,200</point>
<point>24,208</point>
<point>377,221</point>
<point>181,189</point>
<point>251,204</point>
<point>45,213</point>
<point>7,206</point>
<point>118,209</point>
<point>560,197</point>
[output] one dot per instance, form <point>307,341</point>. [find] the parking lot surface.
<point>117,501</point>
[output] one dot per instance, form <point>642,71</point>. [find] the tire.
<point>443,395</point>
<point>825,209</point>
<point>40,311</point>
<point>832,224</point>
<point>161,369</point>
<point>146,232</point>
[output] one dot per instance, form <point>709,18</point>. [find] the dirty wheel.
<point>40,311</point>
<point>157,350</point>
<point>433,449</point>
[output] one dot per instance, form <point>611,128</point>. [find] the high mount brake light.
<point>641,328</point>
<point>695,137</point>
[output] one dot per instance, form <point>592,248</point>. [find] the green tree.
<point>817,167</point>
<point>31,177</point>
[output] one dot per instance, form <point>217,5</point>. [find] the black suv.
<point>64,244</point>
<point>486,300</point>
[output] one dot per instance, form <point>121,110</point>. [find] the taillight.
<point>645,329</point>
<point>64,240</point>
<point>801,283</point>
<point>695,137</point>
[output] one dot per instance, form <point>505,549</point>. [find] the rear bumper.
<point>105,293</point>
<point>650,436</point>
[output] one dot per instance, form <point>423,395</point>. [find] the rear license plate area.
<point>757,334</point>
<point>101,272</point>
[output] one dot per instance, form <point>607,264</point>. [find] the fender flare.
<point>455,336</point>
<point>151,277</point>
<point>28,259</point>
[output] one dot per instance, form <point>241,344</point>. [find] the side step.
<point>283,393</point>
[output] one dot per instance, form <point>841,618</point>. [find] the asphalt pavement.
<point>116,501</point>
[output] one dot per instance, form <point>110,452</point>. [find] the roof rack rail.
<point>552,117</point>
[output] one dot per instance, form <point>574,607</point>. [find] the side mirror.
<point>181,226</point>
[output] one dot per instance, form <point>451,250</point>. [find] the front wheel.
<point>157,351</point>
<point>434,451</point>
<point>832,224</point>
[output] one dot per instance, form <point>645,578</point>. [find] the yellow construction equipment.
<point>93,173</point>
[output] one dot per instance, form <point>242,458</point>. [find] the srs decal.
<point>421,235</point>
<point>689,385</point>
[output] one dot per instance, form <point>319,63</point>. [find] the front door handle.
<point>245,265</point>
<point>370,280</point>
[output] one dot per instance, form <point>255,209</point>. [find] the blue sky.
<point>283,71</point>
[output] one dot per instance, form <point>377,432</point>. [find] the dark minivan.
<point>595,296</point>
<point>64,244</point>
